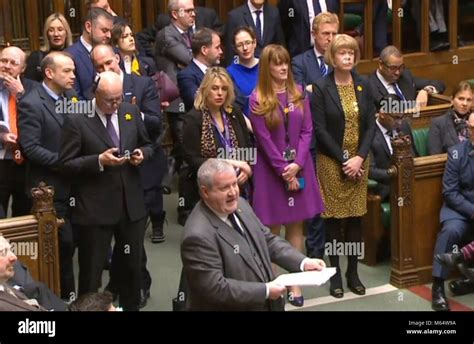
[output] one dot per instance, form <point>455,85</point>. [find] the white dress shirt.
<point>389,87</point>
<point>254,15</point>
<point>385,135</point>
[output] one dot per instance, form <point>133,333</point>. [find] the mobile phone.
<point>117,154</point>
<point>301,182</point>
<point>136,153</point>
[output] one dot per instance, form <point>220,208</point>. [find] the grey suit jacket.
<point>442,134</point>
<point>172,55</point>
<point>10,303</point>
<point>219,268</point>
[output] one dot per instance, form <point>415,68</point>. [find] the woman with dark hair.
<point>57,35</point>
<point>130,60</point>
<point>286,191</point>
<point>215,129</point>
<point>344,116</point>
<point>451,128</point>
<point>244,67</point>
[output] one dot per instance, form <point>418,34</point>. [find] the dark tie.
<point>316,7</point>
<point>187,39</point>
<point>390,133</point>
<point>398,91</point>
<point>232,220</point>
<point>322,66</point>
<point>111,130</point>
<point>258,25</point>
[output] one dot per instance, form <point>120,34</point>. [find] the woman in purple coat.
<point>286,191</point>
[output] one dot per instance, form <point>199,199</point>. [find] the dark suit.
<point>12,175</point>
<point>297,27</point>
<point>189,80</point>
<point>192,149</point>
<point>85,71</point>
<point>241,16</point>
<point>328,117</point>
<point>458,207</point>
<point>205,17</point>
<point>306,69</point>
<point>442,134</point>
<point>40,126</point>
<point>33,65</point>
<point>108,202</point>
<point>223,279</point>
<point>381,160</point>
<point>408,84</point>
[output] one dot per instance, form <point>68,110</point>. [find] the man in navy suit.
<point>264,20</point>
<point>310,66</point>
<point>457,212</point>
<point>141,91</point>
<point>40,124</point>
<point>207,52</point>
<point>297,18</point>
<point>96,29</point>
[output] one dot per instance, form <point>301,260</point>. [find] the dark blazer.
<point>205,17</point>
<point>306,68</point>
<point>458,184</point>
<point>102,197</point>
<point>381,160</point>
<point>408,84</point>
<point>241,16</point>
<point>189,80</point>
<point>442,134</point>
<point>193,130</point>
<point>40,127</point>
<point>143,90</point>
<point>297,26</point>
<point>85,71</point>
<point>33,65</point>
<point>221,278</point>
<point>328,116</point>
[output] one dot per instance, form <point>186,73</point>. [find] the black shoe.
<point>439,302</point>
<point>461,287</point>
<point>112,291</point>
<point>335,288</point>
<point>354,284</point>
<point>144,296</point>
<point>449,260</point>
<point>157,234</point>
<point>183,216</point>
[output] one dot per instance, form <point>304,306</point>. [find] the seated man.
<point>389,125</point>
<point>227,252</point>
<point>457,211</point>
<point>391,77</point>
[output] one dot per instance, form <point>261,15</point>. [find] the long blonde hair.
<point>267,100</point>
<point>47,24</point>
<point>204,89</point>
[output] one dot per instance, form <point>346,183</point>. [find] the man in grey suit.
<point>227,252</point>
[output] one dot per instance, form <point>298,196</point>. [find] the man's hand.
<point>422,98</point>
<point>314,264</point>
<point>108,158</point>
<point>13,85</point>
<point>8,138</point>
<point>275,290</point>
<point>137,157</point>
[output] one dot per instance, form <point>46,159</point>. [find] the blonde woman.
<point>344,116</point>
<point>57,35</point>
<point>286,191</point>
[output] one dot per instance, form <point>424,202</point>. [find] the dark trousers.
<point>12,183</point>
<point>176,122</point>
<point>66,251</point>
<point>94,243</point>
<point>454,233</point>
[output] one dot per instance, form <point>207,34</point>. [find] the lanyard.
<point>286,120</point>
<point>225,139</point>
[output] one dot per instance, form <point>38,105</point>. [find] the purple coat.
<point>272,202</point>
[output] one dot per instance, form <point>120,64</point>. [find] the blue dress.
<point>245,80</point>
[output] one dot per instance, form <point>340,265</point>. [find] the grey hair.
<point>210,168</point>
<point>173,5</point>
<point>388,51</point>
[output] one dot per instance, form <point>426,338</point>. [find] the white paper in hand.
<point>306,278</point>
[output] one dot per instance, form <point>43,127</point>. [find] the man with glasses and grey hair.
<point>102,152</point>
<point>227,252</point>
<point>392,77</point>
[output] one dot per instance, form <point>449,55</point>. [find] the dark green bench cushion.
<point>420,136</point>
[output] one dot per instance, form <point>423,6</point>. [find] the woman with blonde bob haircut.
<point>214,129</point>
<point>57,35</point>
<point>286,191</point>
<point>344,117</point>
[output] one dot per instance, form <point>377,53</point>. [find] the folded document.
<point>306,278</point>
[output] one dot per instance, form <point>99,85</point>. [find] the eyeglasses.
<point>244,44</point>
<point>186,10</point>
<point>394,68</point>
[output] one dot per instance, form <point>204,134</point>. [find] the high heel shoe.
<point>297,301</point>
<point>335,288</point>
<point>354,284</point>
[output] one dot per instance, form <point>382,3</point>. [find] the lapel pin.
<point>128,117</point>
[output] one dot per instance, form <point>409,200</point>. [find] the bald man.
<point>103,151</point>
<point>12,169</point>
